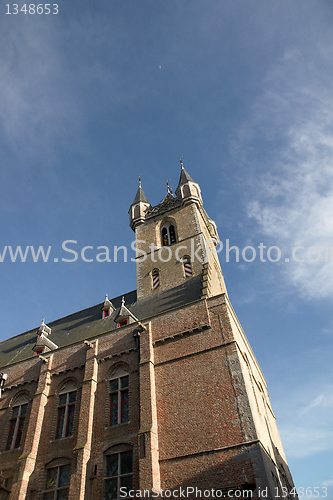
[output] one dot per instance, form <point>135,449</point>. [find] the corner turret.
<point>188,190</point>
<point>138,208</point>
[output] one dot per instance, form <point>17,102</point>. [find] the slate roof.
<point>184,177</point>
<point>89,323</point>
<point>140,196</point>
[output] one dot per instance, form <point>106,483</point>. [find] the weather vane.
<point>181,161</point>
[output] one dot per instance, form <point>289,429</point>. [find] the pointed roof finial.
<point>43,329</point>
<point>123,301</point>
<point>168,187</point>
<point>106,296</point>
<point>139,180</point>
<point>181,162</point>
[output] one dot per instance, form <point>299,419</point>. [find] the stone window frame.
<point>168,234</point>
<point>56,465</point>
<point>165,223</point>
<point>120,477</point>
<point>16,425</point>
<point>119,396</point>
<point>68,387</point>
<point>115,371</point>
<point>7,478</point>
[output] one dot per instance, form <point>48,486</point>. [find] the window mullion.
<point>17,424</point>
<point>64,429</point>
<point>57,483</point>
<point>120,410</point>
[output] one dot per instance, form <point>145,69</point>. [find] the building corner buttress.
<point>27,460</point>
<point>149,470</point>
<point>82,448</point>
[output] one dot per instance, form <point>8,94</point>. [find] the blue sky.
<point>104,91</point>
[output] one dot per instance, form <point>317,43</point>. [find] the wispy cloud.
<point>305,421</point>
<point>328,482</point>
<point>38,102</point>
<point>292,197</point>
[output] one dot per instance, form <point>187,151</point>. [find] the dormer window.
<point>124,316</point>
<point>43,343</point>
<point>122,323</point>
<point>168,235</point>
<point>107,308</point>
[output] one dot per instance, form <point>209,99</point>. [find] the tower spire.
<point>140,195</point>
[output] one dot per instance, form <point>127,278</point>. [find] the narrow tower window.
<point>187,266</point>
<point>156,279</point>
<point>168,235</point>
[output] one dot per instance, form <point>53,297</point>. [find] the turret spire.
<point>140,195</point>
<point>187,187</point>
<point>138,207</point>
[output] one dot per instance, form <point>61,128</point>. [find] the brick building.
<point>151,392</point>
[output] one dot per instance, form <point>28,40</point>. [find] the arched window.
<point>20,407</point>
<point>6,481</point>
<point>57,480</point>
<point>187,266</point>
<point>118,472</point>
<point>186,191</point>
<point>137,212</point>
<point>66,409</point>
<point>168,235</point>
<point>119,397</point>
<point>156,279</point>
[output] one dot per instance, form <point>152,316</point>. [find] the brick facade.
<point>199,414</point>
